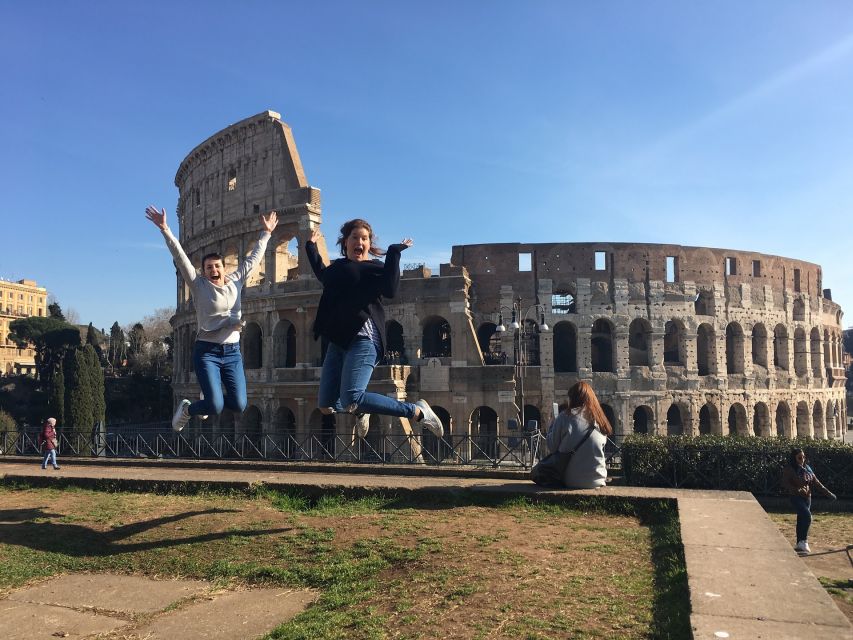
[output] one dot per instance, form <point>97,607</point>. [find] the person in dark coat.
<point>49,442</point>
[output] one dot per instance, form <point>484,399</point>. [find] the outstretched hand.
<point>315,235</point>
<point>157,217</point>
<point>269,221</point>
<point>407,241</point>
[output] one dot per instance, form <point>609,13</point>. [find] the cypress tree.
<point>96,384</point>
<point>56,399</point>
<point>78,393</point>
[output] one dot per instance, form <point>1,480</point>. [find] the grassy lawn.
<point>386,566</point>
<point>829,536</point>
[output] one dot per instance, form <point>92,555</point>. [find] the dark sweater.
<point>352,293</point>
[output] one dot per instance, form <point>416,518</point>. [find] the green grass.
<point>364,585</point>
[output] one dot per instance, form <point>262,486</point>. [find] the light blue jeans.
<point>49,456</point>
<point>346,374</point>
<point>216,365</point>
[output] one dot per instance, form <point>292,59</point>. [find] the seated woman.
<point>587,468</point>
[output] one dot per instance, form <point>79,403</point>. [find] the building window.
<point>600,261</point>
<point>197,197</point>
<point>562,303</point>
<point>256,208</point>
<point>525,262</point>
<point>797,280</point>
<point>731,266</point>
<point>756,268</point>
<point>232,180</point>
<point>671,269</point>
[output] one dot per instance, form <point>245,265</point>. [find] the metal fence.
<point>159,441</point>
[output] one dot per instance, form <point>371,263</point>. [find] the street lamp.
<point>521,332</point>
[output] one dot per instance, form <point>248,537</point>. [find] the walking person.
<point>50,442</point>
<point>798,480</point>
<point>351,317</point>
<point>582,427</point>
<point>216,294</point>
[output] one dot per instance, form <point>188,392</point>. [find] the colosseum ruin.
<point>675,339</point>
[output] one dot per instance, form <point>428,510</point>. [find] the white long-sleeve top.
<point>587,468</point>
<point>217,308</point>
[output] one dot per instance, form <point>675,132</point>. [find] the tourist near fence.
<point>49,441</point>
<point>799,480</point>
<point>216,354</point>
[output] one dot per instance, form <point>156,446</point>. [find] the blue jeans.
<point>49,456</point>
<point>803,507</point>
<point>346,374</point>
<point>216,365</point>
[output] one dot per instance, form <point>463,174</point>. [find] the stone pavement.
<point>744,578</point>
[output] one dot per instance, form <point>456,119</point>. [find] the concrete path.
<point>744,578</point>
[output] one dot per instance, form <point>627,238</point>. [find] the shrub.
<point>731,462</point>
<point>7,422</point>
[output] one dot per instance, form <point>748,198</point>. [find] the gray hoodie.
<point>587,468</point>
<point>217,308</point>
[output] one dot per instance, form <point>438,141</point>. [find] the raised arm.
<point>158,219</point>
<point>268,225</point>
<point>314,258</point>
<point>391,272</point>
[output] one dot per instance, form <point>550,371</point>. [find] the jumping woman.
<point>351,317</point>
<point>216,295</point>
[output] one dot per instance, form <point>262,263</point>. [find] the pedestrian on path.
<point>49,441</point>
<point>216,355</point>
<point>351,317</point>
<point>799,481</point>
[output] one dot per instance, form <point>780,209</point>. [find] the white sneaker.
<point>182,415</point>
<point>362,424</point>
<point>802,547</point>
<point>201,397</point>
<point>430,419</point>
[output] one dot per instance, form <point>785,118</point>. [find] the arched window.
<point>436,449</point>
<point>734,348</point>
<point>251,345</point>
<point>737,420</point>
<point>801,354</point>
<point>780,347</point>
<point>799,311</point>
<point>817,420</point>
<point>761,420</point>
<point>674,421</point>
<point>672,348</point>
<point>817,367</point>
<point>602,346</point>
<point>284,345</point>
<point>565,347</point>
<point>759,345</point>
<point>563,302</point>
<point>530,343</point>
<point>643,419</point>
<point>484,432</point>
<point>286,259</point>
<point>783,420</point>
<point>803,420</point>
<point>436,338</point>
<point>284,432</point>
<point>639,339</point>
<point>709,419</point>
<point>706,357</point>
<point>250,425</point>
<point>395,349</point>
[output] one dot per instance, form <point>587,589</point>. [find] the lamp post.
<point>521,332</point>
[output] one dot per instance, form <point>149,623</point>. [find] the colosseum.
<point>675,339</point>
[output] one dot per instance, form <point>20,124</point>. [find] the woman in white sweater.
<point>216,295</point>
<point>587,468</point>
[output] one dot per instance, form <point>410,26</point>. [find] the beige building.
<point>20,299</point>
<point>675,339</point>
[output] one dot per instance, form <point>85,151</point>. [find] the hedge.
<point>731,462</point>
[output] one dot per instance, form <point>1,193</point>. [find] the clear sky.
<point>724,124</point>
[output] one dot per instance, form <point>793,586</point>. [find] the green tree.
<point>55,311</point>
<point>136,340</point>
<point>56,396</point>
<point>79,406</point>
<point>117,349</point>
<point>94,339</point>
<point>50,337</point>
<point>96,384</point>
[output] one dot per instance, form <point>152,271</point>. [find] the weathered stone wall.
<point>674,339</point>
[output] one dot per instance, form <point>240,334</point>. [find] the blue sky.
<point>724,124</point>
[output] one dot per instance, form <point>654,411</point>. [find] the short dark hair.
<point>358,223</point>
<point>212,256</point>
<point>792,457</point>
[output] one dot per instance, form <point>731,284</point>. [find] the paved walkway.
<point>744,578</point>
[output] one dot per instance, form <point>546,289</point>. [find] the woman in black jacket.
<point>350,316</point>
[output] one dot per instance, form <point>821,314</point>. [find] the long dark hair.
<point>358,223</point>
<point>792,457</point>
<point>582,395</point>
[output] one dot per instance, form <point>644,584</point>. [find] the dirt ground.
<point>461,572</point>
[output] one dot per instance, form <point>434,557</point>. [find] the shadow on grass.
<point>38,530</point>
